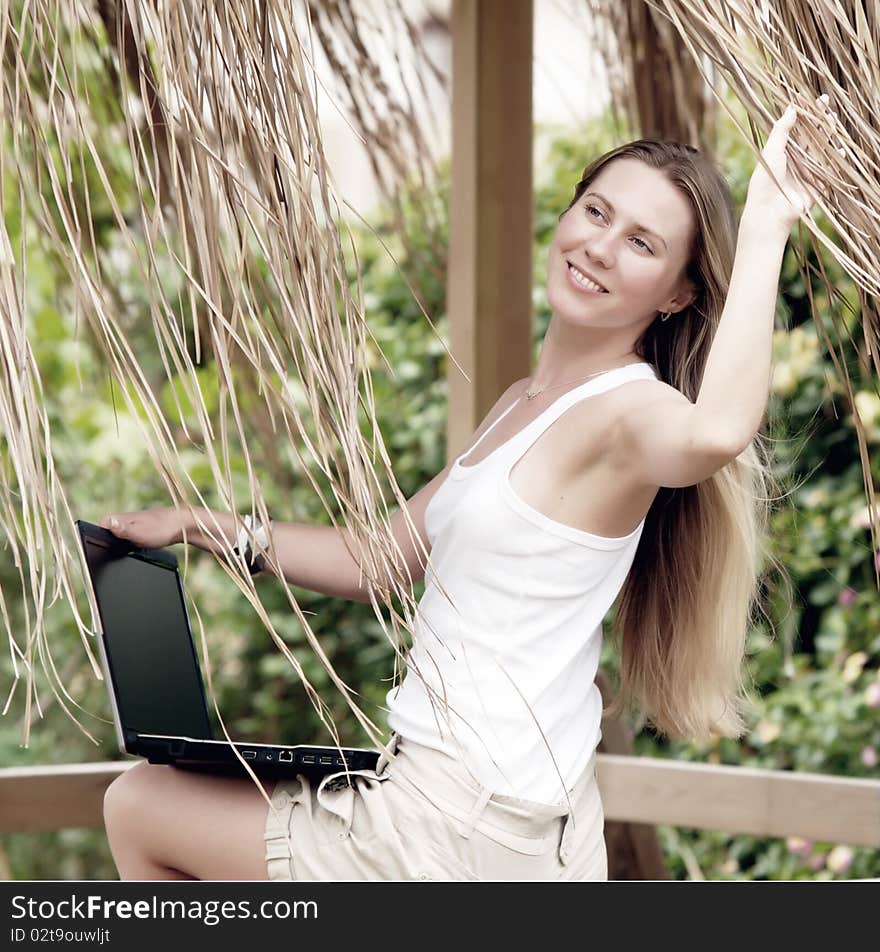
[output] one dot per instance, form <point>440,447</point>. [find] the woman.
<point>627,463</point>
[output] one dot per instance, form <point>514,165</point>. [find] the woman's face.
<point>630,232</point>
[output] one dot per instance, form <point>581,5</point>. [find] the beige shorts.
<point>420,816</point>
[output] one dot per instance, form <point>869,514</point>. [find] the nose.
<point>599,247</point>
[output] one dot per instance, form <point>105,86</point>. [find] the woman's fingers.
<point>113,523</point>
<point>792,167</point>
<point>774,147</point>
<point>783,125</point>
<point>832,121</point>
<point>811,184</point>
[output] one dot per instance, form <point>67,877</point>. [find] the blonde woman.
<point>627,465</point>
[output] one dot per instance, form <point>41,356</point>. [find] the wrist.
<point>186,525</point>
<point>756,225</point>
<point>253,551</point>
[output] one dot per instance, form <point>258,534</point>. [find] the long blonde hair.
<point>683,614</point>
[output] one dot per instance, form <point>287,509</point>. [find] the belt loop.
<point>476,810</point>
<point>387,755</point>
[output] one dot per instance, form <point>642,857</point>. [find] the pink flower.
<point>816,862</point>
<point>869,756</point>
<point>799,846</point>
<point>847,597</point>
<point>840,859</point>
<point>872,694</point>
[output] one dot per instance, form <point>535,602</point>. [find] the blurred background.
<point>815,660</point>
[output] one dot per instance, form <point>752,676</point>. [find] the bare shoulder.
<point>513,392</point>
<point>508,397</point>
<point>625,406</point>
<point>661,439</point>
<point>636,393</point>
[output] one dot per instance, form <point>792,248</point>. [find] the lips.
<point>571,265</point>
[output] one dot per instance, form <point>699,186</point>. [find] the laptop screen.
<point>150,651</point>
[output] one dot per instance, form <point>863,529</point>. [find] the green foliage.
<point>816,708</point>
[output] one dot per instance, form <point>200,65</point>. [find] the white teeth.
<point>585,282</point>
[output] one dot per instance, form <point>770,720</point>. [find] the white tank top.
<point>502,667</point>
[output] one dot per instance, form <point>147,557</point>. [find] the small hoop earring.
<point>664,316</point>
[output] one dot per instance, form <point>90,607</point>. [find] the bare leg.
<point>165,823</point>
<point>132,864</point>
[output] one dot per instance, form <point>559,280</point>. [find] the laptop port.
<point>249,754</point>
<point>326,760</point>
<point>308,758</point>
<point>285,757</point>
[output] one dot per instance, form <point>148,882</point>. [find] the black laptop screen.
<point>149,647</point>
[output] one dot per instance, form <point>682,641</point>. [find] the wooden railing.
<point>767,803</point>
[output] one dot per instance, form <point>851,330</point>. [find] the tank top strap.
<point>607,381</point>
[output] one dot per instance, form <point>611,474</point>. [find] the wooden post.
<point>633,849</point>
<point>489,290</point>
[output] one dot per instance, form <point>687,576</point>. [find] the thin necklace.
<point>531,394</point>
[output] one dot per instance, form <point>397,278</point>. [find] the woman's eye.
<point>592,208</point>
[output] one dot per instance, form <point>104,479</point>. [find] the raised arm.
<point>669,441</point>
<point>666,439</point>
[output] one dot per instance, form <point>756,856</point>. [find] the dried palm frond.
<point>234,193</point>
<point>770,53</point>
<point>393,127</point>
<point>654,83</point>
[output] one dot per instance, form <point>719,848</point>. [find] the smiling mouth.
<point>584,282</point>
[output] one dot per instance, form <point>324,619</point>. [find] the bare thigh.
<point>208,826</point>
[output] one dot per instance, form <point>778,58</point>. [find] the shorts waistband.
<point>525,825</point>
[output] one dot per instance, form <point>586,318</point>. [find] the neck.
<point>567,354</point>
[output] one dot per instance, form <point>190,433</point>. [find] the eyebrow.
<point>647,231</point>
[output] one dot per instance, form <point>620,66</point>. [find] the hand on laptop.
<point>149,528</point>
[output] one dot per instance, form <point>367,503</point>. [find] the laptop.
<point>156,687</point>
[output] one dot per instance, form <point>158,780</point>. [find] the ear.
<point>684,297</point>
